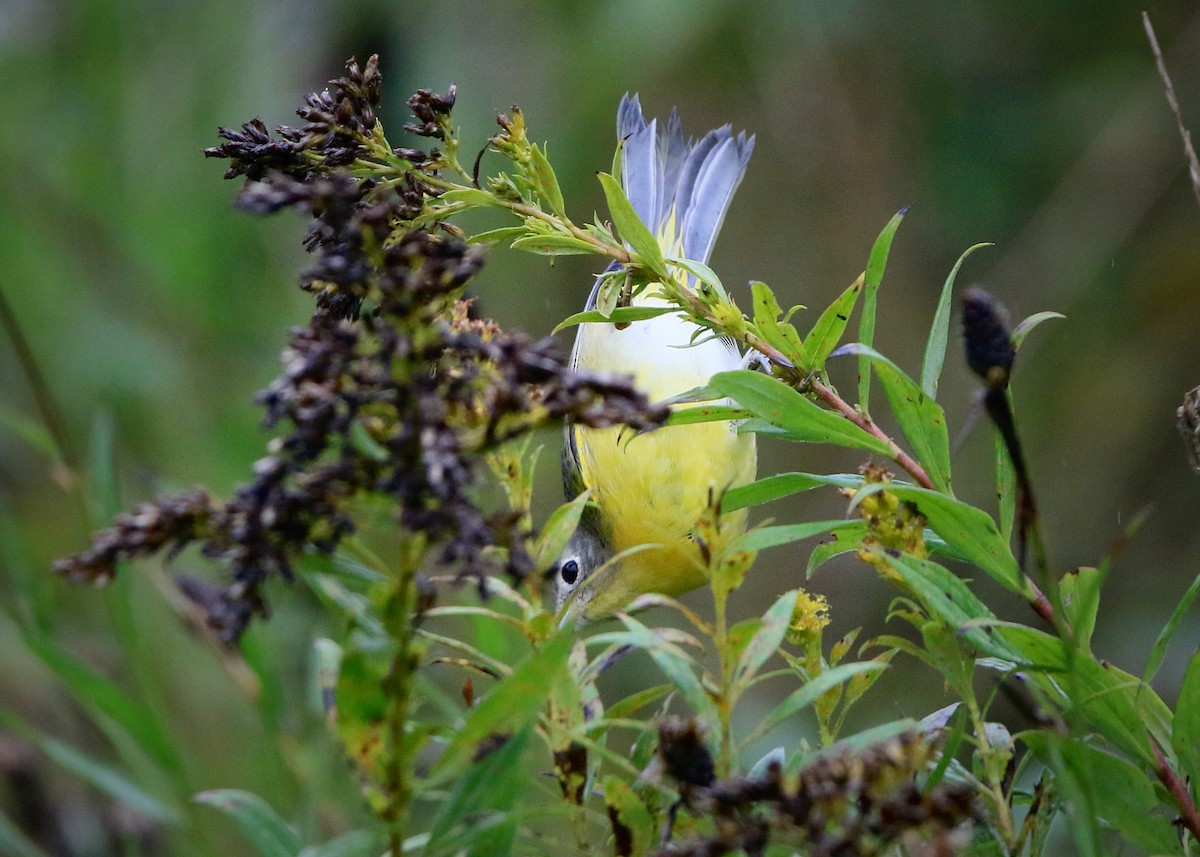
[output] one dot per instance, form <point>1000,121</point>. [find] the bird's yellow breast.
<point>652,488</point>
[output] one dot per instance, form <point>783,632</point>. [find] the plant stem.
<point>1188,815</point>
<point>725,703</point>
<point>399,620</point>
<point>902,458</point>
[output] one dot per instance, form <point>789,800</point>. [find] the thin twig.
<point>47,407</point>
<point>1169,90</point>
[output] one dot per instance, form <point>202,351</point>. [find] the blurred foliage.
<point>156,310</point>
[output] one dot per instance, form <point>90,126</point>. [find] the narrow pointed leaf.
<point>693,415</point>
<point>619,315</point>
<point>554,245</point>
<point>765,640</point>
<point>777,332</point>
<point>557,531</point>
<point>866,325</point>
<point>939,331</point>
<point>509,707</point>
<point>1159,650</point>
<point>630,226</point>
<point>971,532</point>
<point>762,538</point>
<point>261,825</point>
<point>547,181</point>
<point>782,485</point>
<point>830,327</point>
<point>1185,736</point>
<point>921,419</point>
<point>1023,329</point>
<point>806,695</point>
<point>801,418</point>
<point>845,539</point>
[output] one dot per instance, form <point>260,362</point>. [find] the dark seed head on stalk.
<point>842,804</point>
<point>989,346</point>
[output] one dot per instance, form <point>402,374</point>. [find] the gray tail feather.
<point>698,178</point>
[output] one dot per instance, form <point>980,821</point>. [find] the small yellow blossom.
<point>810,617</point>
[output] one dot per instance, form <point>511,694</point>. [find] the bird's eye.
<point>569,571</point>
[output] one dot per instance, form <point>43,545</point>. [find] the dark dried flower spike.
<point>989,345</point>
<point>684,753</point>
<point>429,108</point>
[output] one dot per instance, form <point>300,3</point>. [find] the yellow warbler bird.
<point>653,488</point>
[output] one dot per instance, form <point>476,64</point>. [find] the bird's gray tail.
<point>662,172</point>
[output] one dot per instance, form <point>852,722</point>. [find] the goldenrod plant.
<point>398,488</point>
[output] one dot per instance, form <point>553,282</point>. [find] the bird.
<point>648,490</point>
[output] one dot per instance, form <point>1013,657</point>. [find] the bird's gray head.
<point>585,552</point>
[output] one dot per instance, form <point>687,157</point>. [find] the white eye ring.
<point>569,572</point>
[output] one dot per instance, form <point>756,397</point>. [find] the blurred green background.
<point>157,310</point>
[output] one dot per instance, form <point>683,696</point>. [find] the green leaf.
<point>675,664</point>
<point>1185,735</point>
<point>701,272</point>
<point>765,641</point>
<point>554,245</point>
<point>99,774</point>
<point>921,418</point>
<point>509,707</point>
<point>99,694</point>
<point>356,843</point>
<point>1022,330</point>
<point>1006,484</point>
<point>1120,793</point>
<point>636,701</point>
<point>488,786</point>
<point>470,197</point>
<point>782,485</point>
<point>970,531</point>
<point>876,263</point>
<point>778,333</point>
<point>806,695</point>
<point>630,226</point>
<point>1080,593</point>
<point>547,181</point>
<point>692,415</point>
<point>802,419</point>
<point>939,331</point>
<point>1076,788</point>
<point>32,432</point>
<point>828,330</point>
<point>948,598</point>
<point>1159,650</point>
<point>619,315</point>
<point>609,290</point>
<point>558,530</point>
<point>498,236</point>
<point>762,538</point>
<point>846,538</point>
<point>855,743</point>
<point>262,826</point>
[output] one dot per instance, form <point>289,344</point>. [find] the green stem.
<point>726,701</point>
<point>994,783</point>
<point>398,615</point>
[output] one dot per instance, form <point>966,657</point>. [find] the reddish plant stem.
<point>1188,814</point>
<point>868,425</point>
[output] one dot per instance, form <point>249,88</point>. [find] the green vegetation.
<point>388,537</point>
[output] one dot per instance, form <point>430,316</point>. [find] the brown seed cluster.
<point>845,804</point>
<point>336,121</point>
<point>391,390</point>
